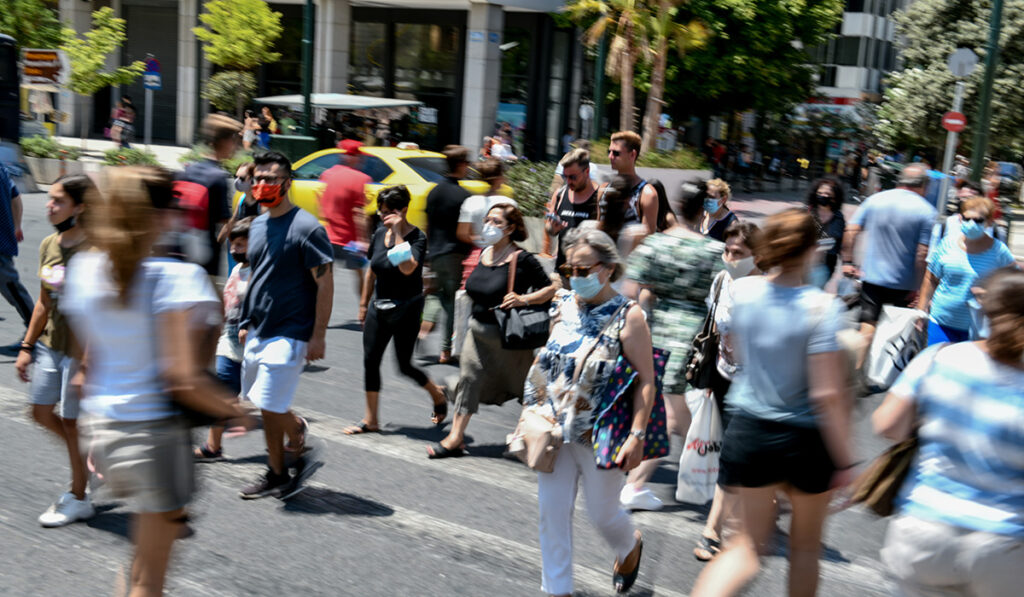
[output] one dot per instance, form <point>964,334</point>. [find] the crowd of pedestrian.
<point>129,320</point>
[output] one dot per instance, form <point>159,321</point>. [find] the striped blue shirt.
<point>958,270</point>
<point>969,469</point>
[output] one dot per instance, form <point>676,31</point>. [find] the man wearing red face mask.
<point>284,320</point>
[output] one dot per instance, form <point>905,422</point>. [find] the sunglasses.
<point>978,220</point>
<point>576,271</point>
<point>614,152</point>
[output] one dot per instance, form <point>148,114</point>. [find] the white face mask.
<point>491,234</point>
<point>740,267</point>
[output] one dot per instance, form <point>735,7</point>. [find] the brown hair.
<point>218,128</point>
<point>576,157</point>
<point>456,156</point>
<point>490,169</point>
<point>982,204</point>
<point>1003,304</point>
<point>748,233</point>
<point>630,139</point>
<point>123,225</point>
<point>786,236</point>
<point>514,218</point>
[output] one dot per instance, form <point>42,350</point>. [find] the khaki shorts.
<point>934,559</point>
<point>148,462</point>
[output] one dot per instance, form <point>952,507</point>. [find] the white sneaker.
<point>66,510</point>
<point>644,499</point>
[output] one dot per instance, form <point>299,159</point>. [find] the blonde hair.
<point>982,204</point>
<point>576,157</point>
<point>724,191</point>
<point>122,225</point>
<point>632,140</point>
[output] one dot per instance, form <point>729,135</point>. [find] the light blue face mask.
<point>819,275</point>
<point>586,288</point>
<point>972,230</point>
<point>400,254</point>
<point>711,205</point>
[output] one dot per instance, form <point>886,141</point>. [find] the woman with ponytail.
<point>133,313</point>
<point>49,347</point>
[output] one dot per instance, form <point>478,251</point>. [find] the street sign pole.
<point>149,117</point>
<point>985,98</point>
<point>947,158</point>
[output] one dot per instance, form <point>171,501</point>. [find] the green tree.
<point>88,57</point>
<point>917,96</point>
<point>238,35</point>
<point>32,23</point>
<point>224,88</point>
<point>755,57</point>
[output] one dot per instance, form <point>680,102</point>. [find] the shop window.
<point>847,50</point>
<point>367,57</point>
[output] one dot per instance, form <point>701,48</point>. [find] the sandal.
<point>360,428</point>
<point>437,451</point>
<point>303,428</point>
<point>440,412</point>
<point>707,548</point>
<point>203,453</point>
<point>624,582</point>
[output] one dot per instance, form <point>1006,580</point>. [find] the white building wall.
<point>331,46</point>
<point>482,81</point>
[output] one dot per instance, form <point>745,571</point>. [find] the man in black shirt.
<point>444,249</point>
<point>204,193</point>
<point>575,202</point>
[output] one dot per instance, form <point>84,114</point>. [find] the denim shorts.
<point>230,373</point>
<point>51,381</point>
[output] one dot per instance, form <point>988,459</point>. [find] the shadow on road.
<point>320,500</point>
<point>118,523</point>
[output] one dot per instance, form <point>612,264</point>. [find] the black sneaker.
<point>269,484</point>
<point>305,466</point>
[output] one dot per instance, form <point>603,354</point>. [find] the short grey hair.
<point>600,243</point>
<point>914,176</point>
<point>576,157</point>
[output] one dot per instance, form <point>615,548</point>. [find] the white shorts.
<point>51,381</point>
<point>270,371</point>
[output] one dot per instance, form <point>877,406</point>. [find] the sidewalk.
<point>167,155</point>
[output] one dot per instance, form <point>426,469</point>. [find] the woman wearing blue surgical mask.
<point>670,274</point>
<point>488,372</point>
<point>717,216</point>
<point>392,304</point>
<point>954,267</point>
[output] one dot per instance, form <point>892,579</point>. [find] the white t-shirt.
<point>123,379</point>
<point>476,207</point>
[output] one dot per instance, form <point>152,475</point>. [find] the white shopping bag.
<point>698,465</point>
<point>896,342</point>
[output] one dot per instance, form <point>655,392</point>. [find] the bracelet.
<point>525,300</point>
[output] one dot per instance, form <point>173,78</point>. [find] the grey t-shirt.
<point>774,329</point>
<point>895,221</point>
<point>281,300</point>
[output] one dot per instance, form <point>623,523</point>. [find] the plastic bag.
<point>698,465</point>
<point>895,344</point>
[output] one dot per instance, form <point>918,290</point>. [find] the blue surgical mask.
<point>711,205</point>
<point>586,288</point>
<point>972,230</point>
<point>491,234</point>
<point>400,254</point>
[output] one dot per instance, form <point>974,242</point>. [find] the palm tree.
<point>626,22</point>
<point>665,32</point>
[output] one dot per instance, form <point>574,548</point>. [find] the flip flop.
<point>360,428</point>
<point>440,412</point>
<point>437,451</point>
<point>708,546</point>
<point>203,453</point>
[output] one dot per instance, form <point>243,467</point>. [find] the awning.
<point>337,101</point>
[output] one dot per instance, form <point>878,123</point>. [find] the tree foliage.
<point>88,55</point>
<point>32,23</point>
<point>228,90</point>
<point>918,96</point>
<point>239,34</point>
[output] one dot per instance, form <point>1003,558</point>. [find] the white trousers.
<point>556,492</point>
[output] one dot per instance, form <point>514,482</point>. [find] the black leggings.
<point>401,323</point>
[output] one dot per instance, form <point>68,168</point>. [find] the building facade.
<point>473,64</point>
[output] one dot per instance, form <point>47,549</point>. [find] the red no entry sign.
<point>954,122</point>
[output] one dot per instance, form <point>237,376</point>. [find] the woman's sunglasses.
<point>978,220</point>
<point>576,271</point>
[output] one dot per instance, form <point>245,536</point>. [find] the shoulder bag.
<point>526,327</point>
<point>702,359</point>
<point>538,435</point>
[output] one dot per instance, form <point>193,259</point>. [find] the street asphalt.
<point>379,518</point>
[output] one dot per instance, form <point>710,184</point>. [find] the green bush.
<point>531,185</point>
<point>229,165</point>
<point>129,157</point>
<point>47,147</point>
<point>685,158</point>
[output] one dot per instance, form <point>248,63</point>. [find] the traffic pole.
<point>985,98</point>
<point>947,158</point>
<point>599,66</point>
<point>307,66</point>
<point>149,117</point>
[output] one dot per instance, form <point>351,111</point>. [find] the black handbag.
<point>522,328</point>
<point>702,360</point>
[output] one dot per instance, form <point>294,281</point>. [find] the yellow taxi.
<point>417,169</point>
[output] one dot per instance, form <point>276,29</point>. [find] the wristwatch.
<point>639,435</point>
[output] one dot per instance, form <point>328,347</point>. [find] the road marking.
<point>506,476</point>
